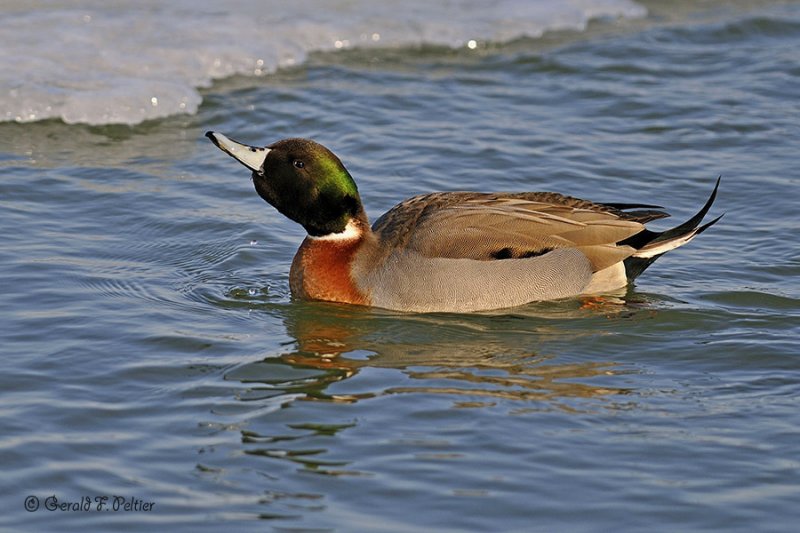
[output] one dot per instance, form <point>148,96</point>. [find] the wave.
<point>131,61</point>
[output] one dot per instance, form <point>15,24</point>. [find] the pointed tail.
<point>650,245</point>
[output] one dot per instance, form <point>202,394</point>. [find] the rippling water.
<point>151,349</point>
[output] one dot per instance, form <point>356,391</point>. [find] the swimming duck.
<point>450,251</point>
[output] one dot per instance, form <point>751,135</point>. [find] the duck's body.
<point>452,251</point>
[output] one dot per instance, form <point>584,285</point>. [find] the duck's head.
<point>302,179</point>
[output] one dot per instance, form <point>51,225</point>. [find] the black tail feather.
<point>645,215</point>
<point>692,223</point>
<point>634,266</point>
<point>704,227</point>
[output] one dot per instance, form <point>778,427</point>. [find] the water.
<point>151,350</point>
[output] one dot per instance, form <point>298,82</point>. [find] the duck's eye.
<point>299,164</point>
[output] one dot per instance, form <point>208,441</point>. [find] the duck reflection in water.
<point>477,358</point>
<point>346,355</point>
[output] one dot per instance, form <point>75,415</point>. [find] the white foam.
<point>134,60</point>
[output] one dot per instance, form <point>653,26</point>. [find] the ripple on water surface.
<point>151,347</point>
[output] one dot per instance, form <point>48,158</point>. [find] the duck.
<point>456,252</point>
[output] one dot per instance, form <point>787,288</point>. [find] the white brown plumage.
<point>451,251</point>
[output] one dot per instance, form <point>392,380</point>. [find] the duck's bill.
<point>250,156</point>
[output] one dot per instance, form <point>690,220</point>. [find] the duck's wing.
<point>498,226</point>
<point>472,251</point>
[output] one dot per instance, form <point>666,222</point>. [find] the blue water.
<point>151,350</point>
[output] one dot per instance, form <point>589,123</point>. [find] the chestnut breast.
<point>321,270</point>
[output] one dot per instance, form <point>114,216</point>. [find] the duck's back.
<point>463,251</point>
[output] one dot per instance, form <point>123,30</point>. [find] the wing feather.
<point>498,226</point>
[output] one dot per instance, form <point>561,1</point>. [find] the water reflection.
<point>308,399</point>
<point>479,357</point>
